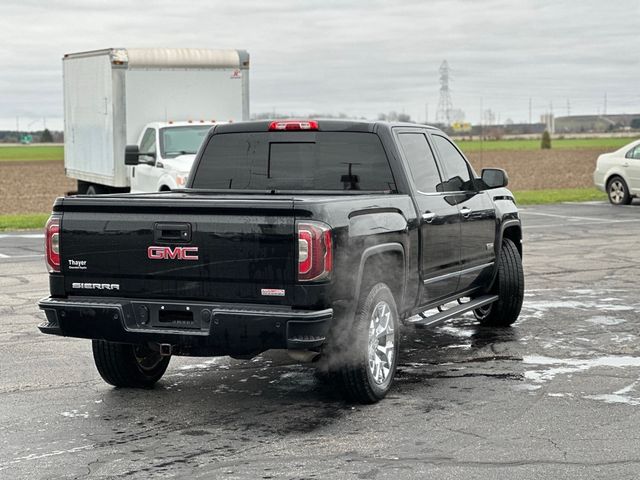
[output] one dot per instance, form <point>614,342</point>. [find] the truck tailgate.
<point>201,247</point>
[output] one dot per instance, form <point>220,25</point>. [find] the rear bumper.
<point>192,328</point>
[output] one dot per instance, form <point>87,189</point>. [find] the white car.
<point>167,151</point>
<point>618,173</point>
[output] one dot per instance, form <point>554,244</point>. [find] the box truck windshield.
<point>176,141</point>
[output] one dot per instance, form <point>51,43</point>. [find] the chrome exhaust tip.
<point>303,356</point>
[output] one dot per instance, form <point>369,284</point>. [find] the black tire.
<point>357,362</point>
<point>124,365</point>
<point>509,286</point>
<point>618,191</point>
<point>94,189</point>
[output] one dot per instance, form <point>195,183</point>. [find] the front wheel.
<point>618,191</point>
<point>370,358</point>
<point>124,365</point>
<point>509,286</point>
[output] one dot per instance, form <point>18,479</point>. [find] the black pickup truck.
<point>319,237</point>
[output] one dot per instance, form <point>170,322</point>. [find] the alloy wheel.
<point>616,191</point>
<point>381,342</point>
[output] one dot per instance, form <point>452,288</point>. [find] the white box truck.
<point>162,99</point>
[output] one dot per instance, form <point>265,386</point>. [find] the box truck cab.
<point>163,156</point>
<point>114,97</point>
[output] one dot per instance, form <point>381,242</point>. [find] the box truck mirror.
<point>131,155</point>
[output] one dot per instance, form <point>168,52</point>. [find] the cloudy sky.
<point>355,57</point>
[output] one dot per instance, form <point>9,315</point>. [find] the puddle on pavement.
<point>558,366</point>
<point>619,396</point>
<point>606,321</point>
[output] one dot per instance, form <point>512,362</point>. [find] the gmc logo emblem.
<point>175,253</point>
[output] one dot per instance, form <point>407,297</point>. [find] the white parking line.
<point>603,222</point>
<point>22,235</point>
<point>2,255</point>
<point>567,217</point>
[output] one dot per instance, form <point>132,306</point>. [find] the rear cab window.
<point>297,161</point>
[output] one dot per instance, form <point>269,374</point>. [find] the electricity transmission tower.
<point>443,113</point>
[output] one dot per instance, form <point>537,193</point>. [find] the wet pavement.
<point>556,396</point>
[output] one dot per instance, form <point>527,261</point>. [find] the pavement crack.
<point>554,444</point>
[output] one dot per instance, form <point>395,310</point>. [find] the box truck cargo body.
<point>111,95</point>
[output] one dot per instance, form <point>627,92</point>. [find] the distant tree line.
<point>394,116</point>
<point>38,136</point>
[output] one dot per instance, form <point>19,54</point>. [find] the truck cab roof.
<point>327,125</point>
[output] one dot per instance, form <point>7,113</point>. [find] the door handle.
<point>428,216</point>
<point>172,232</point>
<point>465,211</point>
<point>625,164</point>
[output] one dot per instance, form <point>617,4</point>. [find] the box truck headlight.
<point>181,180</point>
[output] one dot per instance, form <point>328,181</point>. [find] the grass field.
<point>539,197</point>
<point>23,222</point>
<point>29,153</point>
<point>611,143</point>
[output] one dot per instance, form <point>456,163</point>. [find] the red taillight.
<point>52,244</point>
<point>293,125</point>
<point>315,251</point>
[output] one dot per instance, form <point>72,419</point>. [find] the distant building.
<point>596,123</point>
<point>549,120</point>
<point>498,131</point>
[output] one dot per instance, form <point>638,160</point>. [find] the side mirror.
<point>131,155</point>
<point>494,177</point>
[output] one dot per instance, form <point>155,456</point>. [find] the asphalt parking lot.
<point>556,396</point>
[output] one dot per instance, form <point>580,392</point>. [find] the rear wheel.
<point>124,365</point>
<point>618,191</point>
<point>367,362</point>
<point>509,286</point>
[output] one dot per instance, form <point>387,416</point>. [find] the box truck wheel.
<point>94,189</point>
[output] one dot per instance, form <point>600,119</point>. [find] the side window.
<point>634,153</point>
<point>148,144</point>
<point>457,176</point>
<point>421,161</point>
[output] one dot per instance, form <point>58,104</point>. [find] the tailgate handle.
<point>172,232</point>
